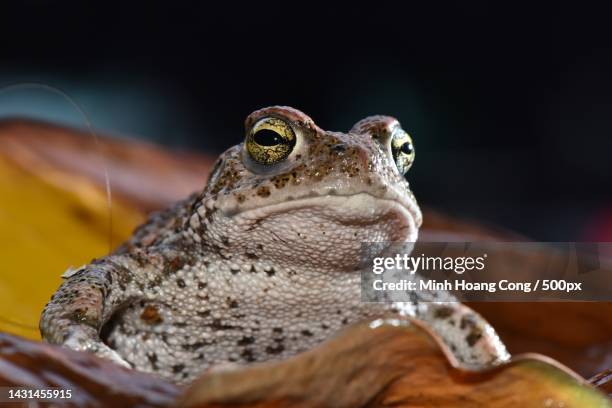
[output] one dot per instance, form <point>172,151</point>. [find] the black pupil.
<point>267,137</point>
<point>406,148</point>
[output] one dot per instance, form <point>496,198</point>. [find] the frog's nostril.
<point>384,137</point>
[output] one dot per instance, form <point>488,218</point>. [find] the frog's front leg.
<point>470,338</point>
<point>84,302</point>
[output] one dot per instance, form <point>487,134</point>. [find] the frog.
<point>263,262</point>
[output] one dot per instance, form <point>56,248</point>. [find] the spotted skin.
<point>261,265</point>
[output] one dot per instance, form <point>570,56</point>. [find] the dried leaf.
<point>46,230</point>
<point>392,364</point>
<point>94,382</point>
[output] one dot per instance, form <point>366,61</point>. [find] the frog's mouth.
<point>324,232</point>
<point>368,217</point>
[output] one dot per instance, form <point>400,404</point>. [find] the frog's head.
<point>299,193</point>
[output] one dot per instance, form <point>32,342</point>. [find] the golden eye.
<point>402,150</point>
<point>270,141</point>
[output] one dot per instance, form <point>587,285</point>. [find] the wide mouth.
<point>357,209</point>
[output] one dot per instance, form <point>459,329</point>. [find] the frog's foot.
<point>469,336</point>
<point>79,339</point>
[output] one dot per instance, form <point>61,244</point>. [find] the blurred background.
<point>510,109</point>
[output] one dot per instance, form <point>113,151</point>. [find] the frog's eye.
<point>270,141</point>
<point>402,150</point>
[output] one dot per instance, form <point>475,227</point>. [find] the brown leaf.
<point>378,363</point>
<point>578,334</point>
<point>392,364</point>
<point>94,382</point>
<point>143,174</point>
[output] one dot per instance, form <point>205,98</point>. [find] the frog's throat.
<point>354,209</point>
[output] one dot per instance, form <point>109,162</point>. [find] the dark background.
<point>510,107</point>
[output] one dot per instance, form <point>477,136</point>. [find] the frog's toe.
<point>108,353</point>
<point>81,340</point>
